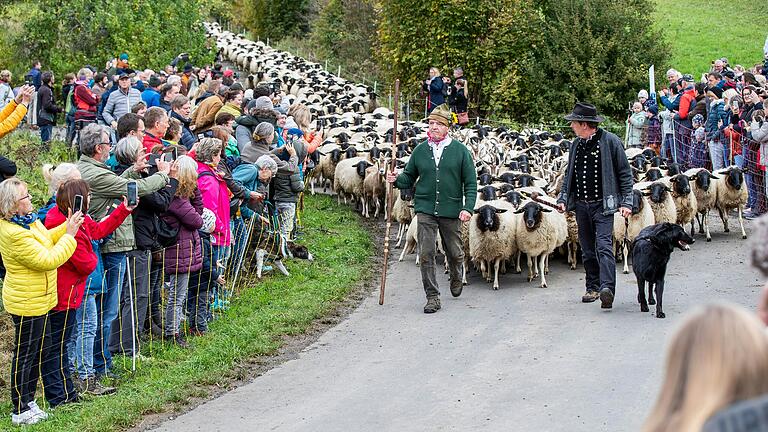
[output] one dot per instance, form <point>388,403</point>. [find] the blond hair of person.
<point>187,176</point>
<point>10,195</point>
<point>717,357</point>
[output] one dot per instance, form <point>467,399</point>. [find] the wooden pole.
<point>390,201</point>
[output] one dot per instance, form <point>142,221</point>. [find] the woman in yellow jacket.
<point>31,254</point>
<point>13,113</point>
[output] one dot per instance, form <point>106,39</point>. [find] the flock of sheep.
<point>519,173</point>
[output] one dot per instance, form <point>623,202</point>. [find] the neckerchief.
<point>24,221</point>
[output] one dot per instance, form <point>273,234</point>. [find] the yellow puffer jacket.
<point>10,117</point>
<point>31,257</point>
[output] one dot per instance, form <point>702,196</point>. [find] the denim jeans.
<point>108,307</point>
<point>239,229</point>
<point>177,294</point>
<point>85,333</point>
<point>201,287</point>
<point>717,154</point>
<point>134,304</point>
<point>57,383</point>
<point>45,133</point>
<point>287,212</point>
<point>666,147</point>
<point>596,240</point>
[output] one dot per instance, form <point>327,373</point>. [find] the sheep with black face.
<point>731,194</point>
<point>491,238</point>
<point>539,232</point>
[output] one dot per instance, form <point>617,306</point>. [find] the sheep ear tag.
<point>499,210</point>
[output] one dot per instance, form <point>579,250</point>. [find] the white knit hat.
<point>209,221</point>
<point>642,94</point>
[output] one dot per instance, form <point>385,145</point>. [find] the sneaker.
<point>37,410</point>
<point>94,387</point>
<point>590,296</point>
<point>456,287</point>
<point>606,298</point>
<point>432,306</point>
<point>28,417</point>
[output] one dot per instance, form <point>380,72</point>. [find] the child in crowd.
<point>699,153</point>
<point>636,122</point>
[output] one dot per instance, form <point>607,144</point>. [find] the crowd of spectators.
<point>97,271</point>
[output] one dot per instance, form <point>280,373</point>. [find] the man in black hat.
<point>598,183</point>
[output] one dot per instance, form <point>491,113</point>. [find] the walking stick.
<point>390,202</point>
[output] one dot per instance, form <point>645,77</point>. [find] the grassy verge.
<point>255,325</point>
<point>700,31</point>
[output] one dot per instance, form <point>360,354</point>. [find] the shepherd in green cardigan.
<point>446,189</point>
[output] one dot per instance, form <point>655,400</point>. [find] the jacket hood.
<point>247,121</point>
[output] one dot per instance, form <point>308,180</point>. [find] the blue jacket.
<point>716,113</point>
<point>247,174</point>
<point>672,104</point>
<point>188,139</point>
<point>436,93</point>
<point>36,77</point>
<point>150,97</point>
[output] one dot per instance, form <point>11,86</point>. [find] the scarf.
<point>24,221</point>
<point>434,141</point>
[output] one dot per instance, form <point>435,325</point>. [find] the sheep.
<point>491,234</point>
<point>402,212</point>
<point>573,239</point>
<point>348,178</point>
<point>685,201</point>
<point>411,241</point>
<point>537,235</point>
<point>625,231</point>
<point>374,190</point>
<point>705,190</point>
<point>731,194</point>
<point>661,201</point>
<point>330,155</point>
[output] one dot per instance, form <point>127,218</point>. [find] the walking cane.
<point>390,202</point>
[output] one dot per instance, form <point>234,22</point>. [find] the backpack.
<point>70,107</point>
<point>166,234</point>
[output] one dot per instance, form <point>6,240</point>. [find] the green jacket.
<point>106,187</point>
<point>442,191</point>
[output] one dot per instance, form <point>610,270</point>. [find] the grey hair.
<point>263,130</point>
<point>266,162</point>
<point>91,137</point>
<point>127,150</point>
<point>207,148</point>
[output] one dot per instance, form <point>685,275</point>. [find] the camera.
<point>275,87</point>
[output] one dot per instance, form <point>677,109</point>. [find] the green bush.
<point>274,19</point>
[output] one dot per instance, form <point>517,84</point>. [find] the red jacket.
<point>74,273</point>
<point>686,101</point>
<point>151,141</point>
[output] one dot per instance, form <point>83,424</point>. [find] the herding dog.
<point>652,249</point>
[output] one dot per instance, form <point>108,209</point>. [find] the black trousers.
<point>596,240</point>
<point>57,383</point>
<point>25,365</point>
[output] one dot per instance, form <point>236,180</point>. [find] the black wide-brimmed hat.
<point>584,112</point>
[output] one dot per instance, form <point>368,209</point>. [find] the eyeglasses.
<point>25,197</point>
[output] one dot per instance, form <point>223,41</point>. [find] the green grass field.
<point>261,315</point>
<point>700,31</point>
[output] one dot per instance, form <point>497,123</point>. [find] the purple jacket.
<point>187,255</point>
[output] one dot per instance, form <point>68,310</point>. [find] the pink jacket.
<point>216,198</point>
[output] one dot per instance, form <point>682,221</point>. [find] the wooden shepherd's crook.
<point>390,194</point>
